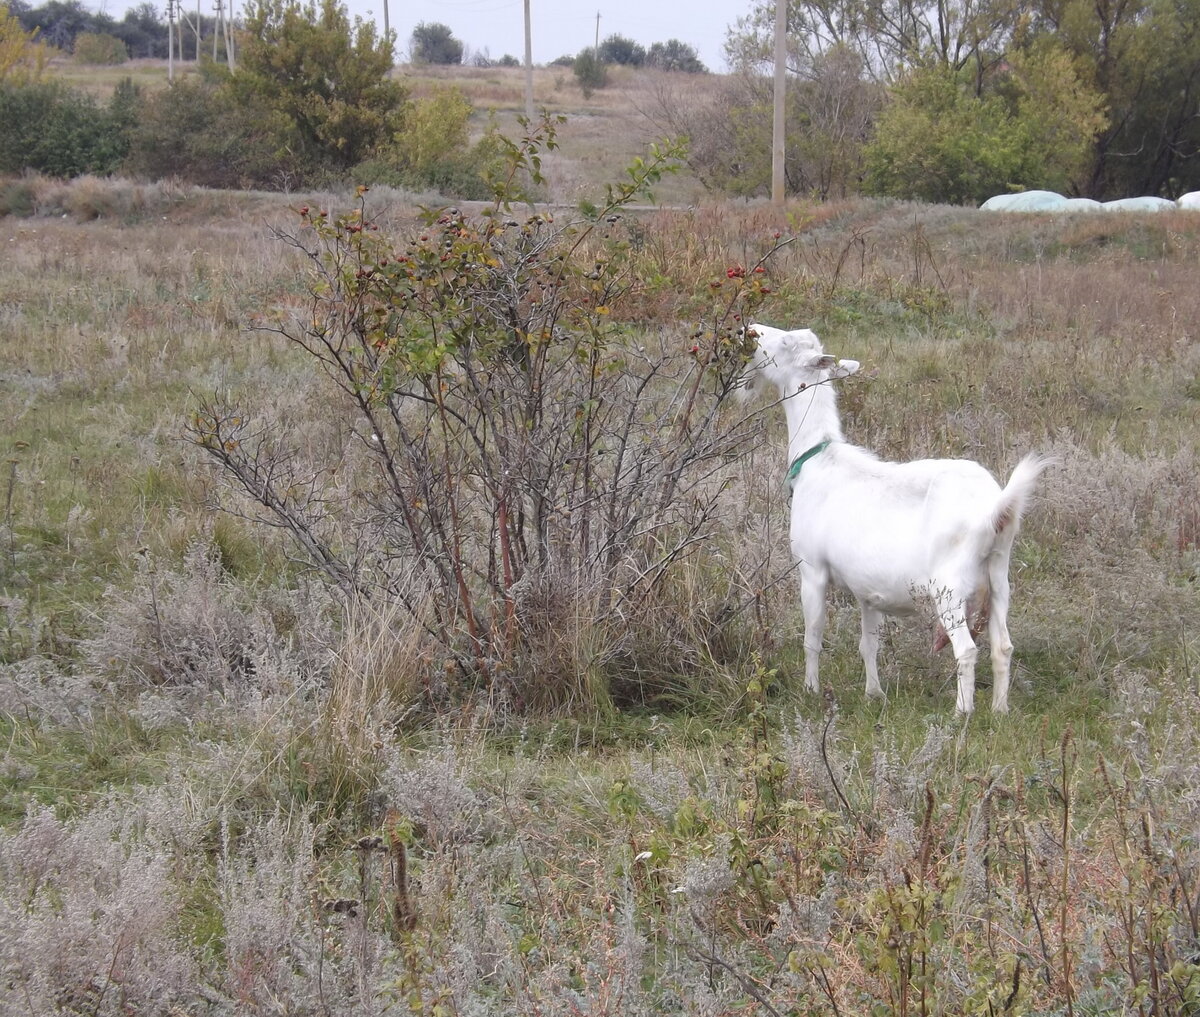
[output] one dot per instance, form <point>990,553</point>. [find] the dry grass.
<point>603,132</point>
<point>99,81</point>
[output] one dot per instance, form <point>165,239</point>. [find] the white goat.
<point>894,534</point>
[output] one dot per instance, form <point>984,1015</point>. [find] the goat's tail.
<point>1011,505</point>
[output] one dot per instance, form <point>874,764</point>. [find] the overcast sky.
<point>564,26</point>
<point>560,27</point>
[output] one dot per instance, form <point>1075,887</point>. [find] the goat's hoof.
<point>876,693</point>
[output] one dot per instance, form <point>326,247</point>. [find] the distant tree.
<point>1144,58</point>
<point>325,79</point>
<point>22,57</point>
<point>590,71</point>
<point>937,140</point>
<point>890,37</point>
<point>1141,58</point>
<point>145,15</point>
<point>616,49</point>
<point>59,21</point>
<point>830,112</point>
<point>674,55</point>
<point>508,60</point>
<point>143,33</point>
<point>1060,115</point>
<point>433,43</point>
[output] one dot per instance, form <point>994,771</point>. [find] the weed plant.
<point>225,790</point>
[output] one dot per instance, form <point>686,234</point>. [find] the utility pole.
<point>222,30</point>
<point>777,126</point>
<point>387,30</point>
<point>185,23</point>
<point>528,65</point>
<point>597,33</point>
<point>171,41</point>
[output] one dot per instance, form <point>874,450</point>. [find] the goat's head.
<point>790,361</point>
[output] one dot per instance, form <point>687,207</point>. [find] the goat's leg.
<point>965,653</point>
<point>813,583</point>
<point>998,637</point>
<point>868,646</point>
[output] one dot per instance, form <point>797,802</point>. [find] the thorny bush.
<point>521,464</point>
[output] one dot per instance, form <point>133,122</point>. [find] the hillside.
<point>602,133</point>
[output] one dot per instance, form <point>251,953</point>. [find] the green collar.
<point>794,470</point>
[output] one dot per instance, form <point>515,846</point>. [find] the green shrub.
<point>197,132</point>
<point>938,141</point>
<point>433,150</point>
<point>56,130</point>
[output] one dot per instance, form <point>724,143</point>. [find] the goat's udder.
<point>977,616</point>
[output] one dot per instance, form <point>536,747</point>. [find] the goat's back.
<point>887,530</point>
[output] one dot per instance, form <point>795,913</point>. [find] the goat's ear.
<point>845,368</point>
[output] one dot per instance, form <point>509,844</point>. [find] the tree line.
<point>957,100</point>
<point>59,23</point>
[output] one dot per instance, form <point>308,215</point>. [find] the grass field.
<point>224,792</point>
